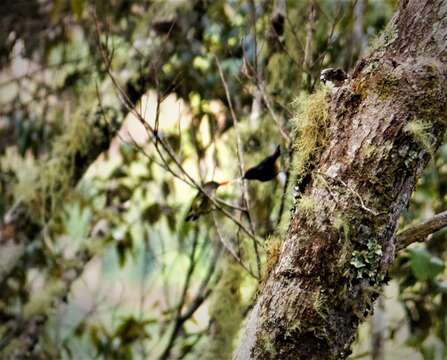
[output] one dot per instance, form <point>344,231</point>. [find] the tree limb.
<point>420,232</point>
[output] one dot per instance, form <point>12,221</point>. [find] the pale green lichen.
<point>366,262</point>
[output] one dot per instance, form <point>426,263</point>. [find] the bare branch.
<point>421,231</point>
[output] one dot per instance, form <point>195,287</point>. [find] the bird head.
<point>213,185</point>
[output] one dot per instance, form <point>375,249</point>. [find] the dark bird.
<point>333,77</point>
<point>201,203</point>
<point>266,170</point>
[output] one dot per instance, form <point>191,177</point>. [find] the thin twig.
<point>241,162</point>
<point>231,250</point>
<point>129,106</point>
<point>201,295</point>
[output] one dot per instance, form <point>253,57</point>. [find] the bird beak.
<point>228,182</point>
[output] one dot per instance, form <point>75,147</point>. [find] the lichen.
<point>366,262</point>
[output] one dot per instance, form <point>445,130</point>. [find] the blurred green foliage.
<point>146,268</point>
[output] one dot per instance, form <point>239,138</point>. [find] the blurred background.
<point>112,113</point>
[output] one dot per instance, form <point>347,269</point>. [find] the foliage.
<point>114,266</point>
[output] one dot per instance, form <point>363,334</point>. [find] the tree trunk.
<point>384,123</point>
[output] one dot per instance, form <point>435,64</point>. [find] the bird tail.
<point>277,151</point>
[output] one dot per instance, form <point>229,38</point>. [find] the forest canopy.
<point>150,153</point>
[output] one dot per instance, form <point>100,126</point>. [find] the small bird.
<point>333,77</point>
<point>266,170</point>
<point>201,203</point>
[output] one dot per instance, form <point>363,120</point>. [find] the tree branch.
<point>420,232</point>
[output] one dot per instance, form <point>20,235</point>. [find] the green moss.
<point>386,86</point>
<point>56,173</point>
<point>419,131</point>
<point>307,206</point>
<point>369,150</point>
<point>360,88</point>
<point>273,249</point>
<point>321,305</point>
<point>311,122</point>
<point>268,347</point>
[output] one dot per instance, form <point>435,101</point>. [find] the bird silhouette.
<point>266,170</point>
<point>201,204</point>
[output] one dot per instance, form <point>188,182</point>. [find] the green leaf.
<point>152,213</point>
<point>77,222</point>
<point>77,6</point>
<point>424,265</point>
<point>132,329</point>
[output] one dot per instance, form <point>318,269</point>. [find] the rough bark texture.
<point>384,123</point>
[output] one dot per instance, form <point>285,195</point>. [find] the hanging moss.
<point>312,123</point>
<point>311,126</point>
<point>87,135</point>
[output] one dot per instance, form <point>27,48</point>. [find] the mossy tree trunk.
<point>384,123</point>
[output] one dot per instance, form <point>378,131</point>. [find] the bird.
<point>201,204</point>
<point>333,77</point>
<point>266,170</point>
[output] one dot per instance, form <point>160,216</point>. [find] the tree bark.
<point>384,124</point>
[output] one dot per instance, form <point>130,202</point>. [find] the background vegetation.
<point>198,90</point>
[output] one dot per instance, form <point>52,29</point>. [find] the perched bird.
<point>333,77</point>
<point>266,170</point>
<point>201,203</point>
